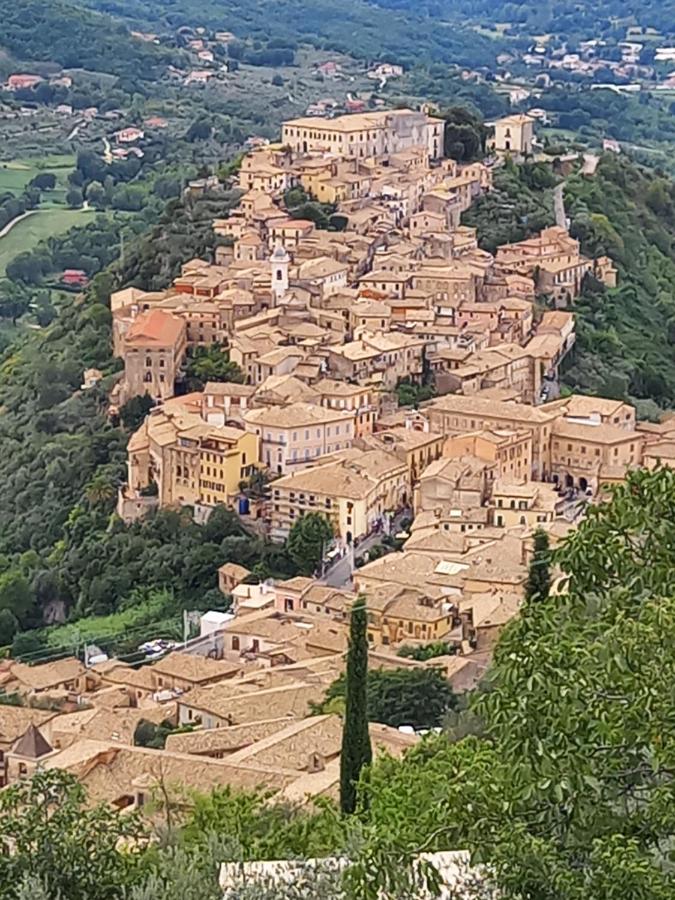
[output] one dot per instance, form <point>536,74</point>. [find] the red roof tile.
<point>155,328</point>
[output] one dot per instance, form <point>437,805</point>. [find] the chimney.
<point>315,763</point>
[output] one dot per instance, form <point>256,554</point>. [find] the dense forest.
<point>354,27</point>
<point>562,17</point>
<point>63,33</point>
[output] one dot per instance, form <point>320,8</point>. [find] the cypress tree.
<point>356,749</point>
<point>539,577</point>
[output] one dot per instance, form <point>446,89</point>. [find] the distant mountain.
<point>73,37</point>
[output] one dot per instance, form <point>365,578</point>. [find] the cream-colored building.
<point>366,135</point>
<point>587,454</point>
<point>531,503</point>
<point>514,135</point>
<point>462,483</point>
<point>355,491</point>
<point>294,436</point>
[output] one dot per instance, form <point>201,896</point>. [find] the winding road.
<point>8,227</point>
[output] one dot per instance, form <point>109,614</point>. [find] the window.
<point>235,642</point>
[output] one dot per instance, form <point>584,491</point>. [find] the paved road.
<point>340,575</point>
<point>8,227</point>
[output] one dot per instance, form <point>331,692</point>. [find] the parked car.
<point>157,648</point>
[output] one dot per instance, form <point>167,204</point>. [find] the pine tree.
<point>539,577</point>
<point>356,749</point>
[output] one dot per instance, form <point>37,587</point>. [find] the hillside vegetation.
<point>626,336</point>
<point>565,17</point>
<point>354,27</point>
<point>63,33</point>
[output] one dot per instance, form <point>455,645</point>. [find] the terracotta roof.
<point>47,675</point>
<point>155,328</point>
<point>14,720</point>
<point>296,415</point>
<point>198,669</point>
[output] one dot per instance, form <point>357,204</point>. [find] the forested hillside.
<point>64,33</point>
<point>625,336</point>
<point>353,26</point>
<point>604,18</point>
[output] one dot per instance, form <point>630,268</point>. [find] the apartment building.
<point>553,256</point>
<point>387,357</point>
<point>456,484</point>
<point>455,414</point>
<point>293,436</point>
<point>225,402</point>
<point>362,400</point>
<point>177,459</point>
<point>504,367</point>
<point>356,491</point>
<point>511,451</point>
<point>416,448</point>
<point>531,503</point>
<point>588,454</point>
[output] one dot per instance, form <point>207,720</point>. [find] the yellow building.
<point>177,459</point>
<point>397,614</point>
<point>510,450</point>
<point>416,448</point>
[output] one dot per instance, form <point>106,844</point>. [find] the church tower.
<point>280,261</point>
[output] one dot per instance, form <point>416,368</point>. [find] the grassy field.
<point>16,173</point>
<point>44,223</point>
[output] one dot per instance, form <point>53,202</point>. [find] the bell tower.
<point>280,261</point>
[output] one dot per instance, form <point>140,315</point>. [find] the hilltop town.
<point>392,379</point>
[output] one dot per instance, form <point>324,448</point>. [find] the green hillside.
<point>607,17</point>
<point>352,26</point>
<point>75,38</point>
<point>626,336</point>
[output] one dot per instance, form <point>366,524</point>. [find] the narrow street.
<point>340,574</point>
